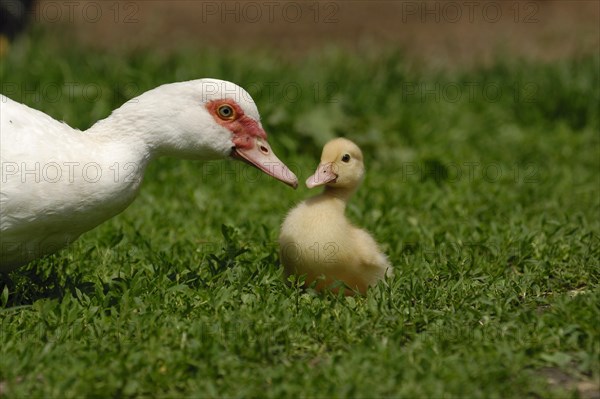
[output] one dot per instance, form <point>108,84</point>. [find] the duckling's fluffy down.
<point>317,240</point>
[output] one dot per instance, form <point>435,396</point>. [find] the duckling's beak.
<point>325,173</point>
<point>260,155</point>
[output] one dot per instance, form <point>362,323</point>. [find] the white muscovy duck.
<point>58,182</point>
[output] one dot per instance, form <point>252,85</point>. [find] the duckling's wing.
<point>371,255</point>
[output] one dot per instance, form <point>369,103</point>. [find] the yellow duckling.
<point>318,240</point>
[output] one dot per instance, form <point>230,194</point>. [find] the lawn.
<point>482,187</point>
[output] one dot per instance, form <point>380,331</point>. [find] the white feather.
<point>58,182</point>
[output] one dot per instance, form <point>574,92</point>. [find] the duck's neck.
<point>159,122</point>
<point>123,146</point>
<point>339,195</point>
<point>128,130</point>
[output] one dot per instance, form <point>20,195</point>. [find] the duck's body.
<point>58,182</point>
<point>317,239</point>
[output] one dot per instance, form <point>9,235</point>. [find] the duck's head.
<point>341,166</point>
<point>207,119</point>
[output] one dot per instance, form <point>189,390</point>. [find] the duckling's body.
<point>317,240</point>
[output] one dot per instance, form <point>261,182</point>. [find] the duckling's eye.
<point>346,158</point>
<point>225,112</point>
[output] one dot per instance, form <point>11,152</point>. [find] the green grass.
<point>487,205</point>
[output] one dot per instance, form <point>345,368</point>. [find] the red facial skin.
<point>250,141</point>
<point>245,129</point>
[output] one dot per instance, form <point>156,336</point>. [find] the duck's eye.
<point>346,158</point>
<point>225,111</point>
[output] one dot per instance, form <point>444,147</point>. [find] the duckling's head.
<point>341,166</point>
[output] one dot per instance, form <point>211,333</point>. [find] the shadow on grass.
<point>54,277</point>
<point>43,279</point>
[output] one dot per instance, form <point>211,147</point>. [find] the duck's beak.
<point>260,155</point>
<point>325,174</point>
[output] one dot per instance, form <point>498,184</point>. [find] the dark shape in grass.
<point>218,264</point>
<point>29,284</point>
<point>434,169</point>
